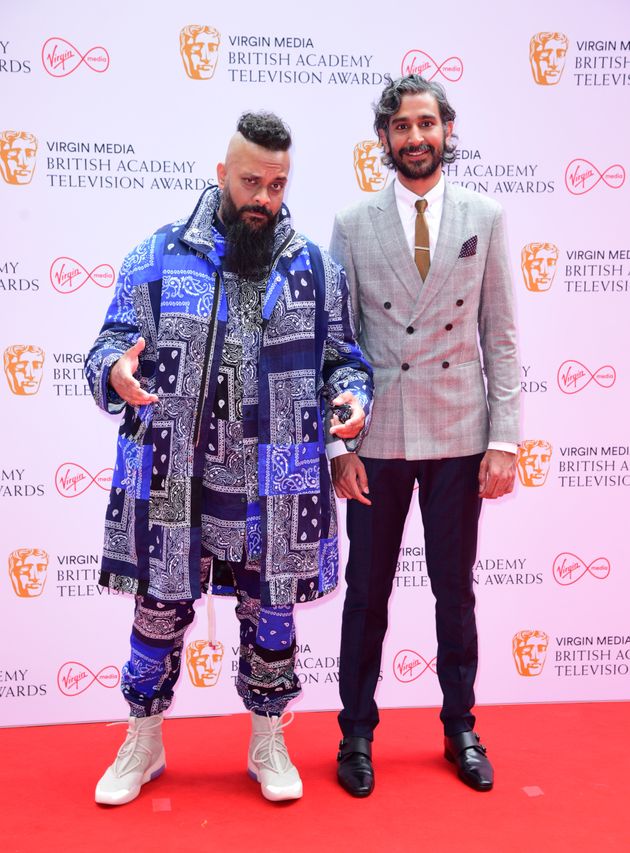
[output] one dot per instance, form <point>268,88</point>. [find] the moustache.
<point>255,208</point>
<point>416,149</point>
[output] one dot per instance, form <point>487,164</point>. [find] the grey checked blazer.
<point>423,340</point>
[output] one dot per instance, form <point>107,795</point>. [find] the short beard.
<point>413,171</point>
<point>249,248</point>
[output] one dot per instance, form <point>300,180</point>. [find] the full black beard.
<point>249,248</point>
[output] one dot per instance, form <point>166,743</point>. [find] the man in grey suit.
<point>432,298</point>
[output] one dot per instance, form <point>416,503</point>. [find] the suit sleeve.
<point>342,253</point>
<point>497,335</point>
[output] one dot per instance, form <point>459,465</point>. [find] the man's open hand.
<point>122,380</point>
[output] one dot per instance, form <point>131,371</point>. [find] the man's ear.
<point>221,174</point>
<point>384,141</point>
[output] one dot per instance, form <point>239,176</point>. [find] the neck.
<point>421,186</point>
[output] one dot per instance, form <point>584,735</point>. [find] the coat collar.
<point>198,233</point>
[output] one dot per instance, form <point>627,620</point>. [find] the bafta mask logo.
<point>539,262</point>
<point>547,54</point>
<point>534,461</point>
<point>203,661</point>
<point>18,155</point>
<point>23,367</point>
<point>28,569</point>
<point>530,650</point>
<point>199,47</point>
<point>370,172</point>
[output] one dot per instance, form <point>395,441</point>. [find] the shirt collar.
<point>408,198</point>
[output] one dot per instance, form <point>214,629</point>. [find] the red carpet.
<point>561,785</point>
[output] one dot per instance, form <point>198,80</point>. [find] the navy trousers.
<point>450,506</point>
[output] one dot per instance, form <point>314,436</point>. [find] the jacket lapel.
<point>391,237</point>
<point>447,251</point>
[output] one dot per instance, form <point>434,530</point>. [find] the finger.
<point>133,393</point>
<point>344,397</point>
<point>483,474</point>
<point>486,488</point>
<point>356,494</point>
<point>357,485</point>
<point>137,348</point>
<point>362,481</point>
<point>350,429</point>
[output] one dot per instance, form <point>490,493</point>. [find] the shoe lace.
<point>133,752</point>
<point>270,751</point>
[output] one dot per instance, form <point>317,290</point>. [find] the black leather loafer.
<point>354,770</point>
<point>466,752</point>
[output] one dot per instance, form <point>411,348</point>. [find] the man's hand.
<point>496,474</point>
<point>354,424</point>
<point>349,478</point>
<point>122,380</point>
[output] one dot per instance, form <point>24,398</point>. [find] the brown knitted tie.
<point>422,253</point>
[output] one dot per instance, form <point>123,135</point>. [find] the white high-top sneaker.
<point>140,759</point>
<point>268,761</point>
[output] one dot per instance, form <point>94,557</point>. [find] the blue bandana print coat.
<point>170,292</point>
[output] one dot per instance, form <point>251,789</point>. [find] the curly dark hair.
<point>391,98</point>
<point>265,129</point>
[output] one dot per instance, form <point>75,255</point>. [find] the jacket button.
<point>445,364</point>
<point>387,305</point>
<point>410,330</point>
<point>448,327</point>
<point>404,366</point>
<point>459,303</point>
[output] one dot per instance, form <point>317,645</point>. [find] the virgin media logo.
<point>71,480</point>
<point>409,665</point>
<point>61,58</point>
<point>419,62</point>
<point>581,176</point>
<point>568,568</point>
<point>573,376</point>
<point>68,275</point>
<point>74,678</point>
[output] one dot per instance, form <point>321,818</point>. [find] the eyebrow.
<point>409,118</point>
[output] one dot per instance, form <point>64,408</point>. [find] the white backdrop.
<point>113,138</point>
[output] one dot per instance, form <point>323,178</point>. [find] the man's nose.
<point>416,134</point>
<point>262,197</point>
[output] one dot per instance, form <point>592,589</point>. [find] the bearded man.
<point>228,345</point>
<point>429,276</point>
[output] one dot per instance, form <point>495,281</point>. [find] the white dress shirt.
<point>406,204</point>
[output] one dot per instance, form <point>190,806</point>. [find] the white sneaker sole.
<point>126,795</point>
<point>277,793</point>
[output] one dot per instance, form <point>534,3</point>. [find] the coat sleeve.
<point>344,367</point>
<point>497,335</point>
<point>119,331</point>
